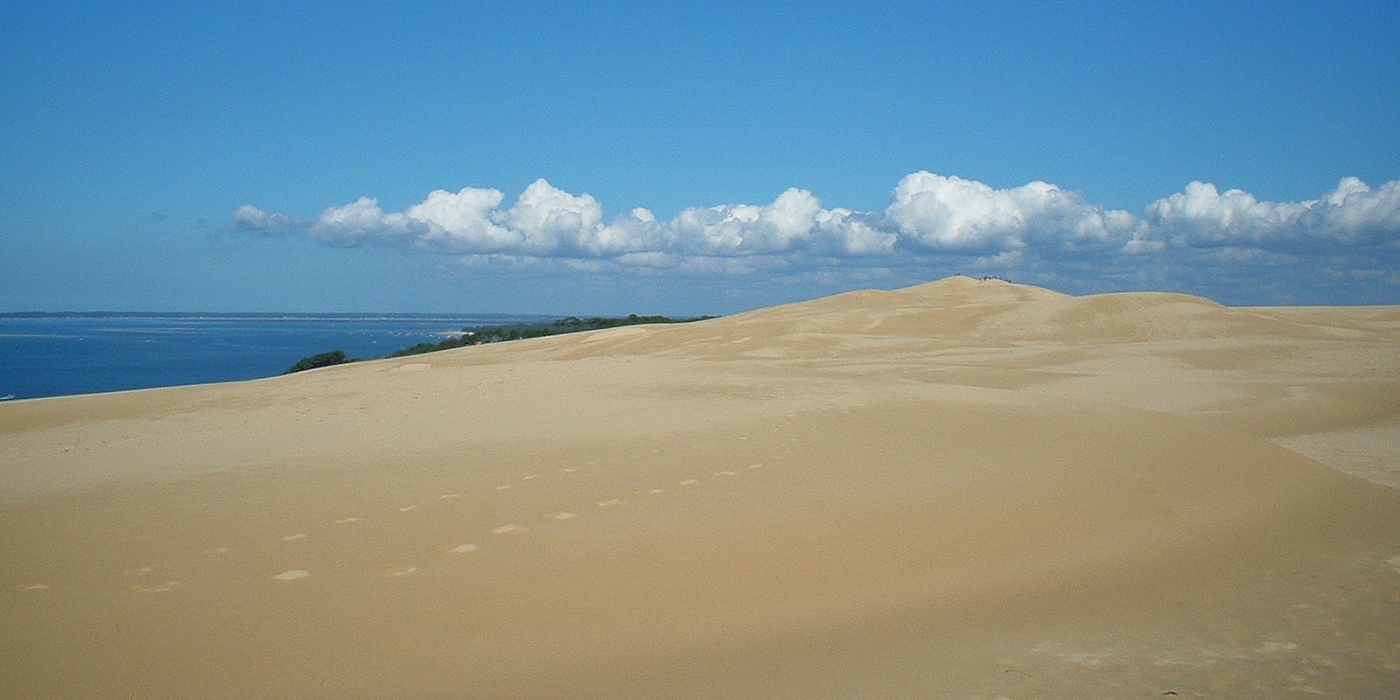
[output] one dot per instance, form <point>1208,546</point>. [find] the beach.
<point>963,489</point>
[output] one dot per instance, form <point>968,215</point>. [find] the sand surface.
<point>964,489</point>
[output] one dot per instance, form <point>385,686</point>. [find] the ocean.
<point>82,353</point>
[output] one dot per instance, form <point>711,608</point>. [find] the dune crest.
<point>967,488</point>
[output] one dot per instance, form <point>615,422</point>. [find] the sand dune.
<point>963,489</point>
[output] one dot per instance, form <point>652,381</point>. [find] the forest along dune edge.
<point>964,488</point>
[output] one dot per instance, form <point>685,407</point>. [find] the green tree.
<point>325,359</point>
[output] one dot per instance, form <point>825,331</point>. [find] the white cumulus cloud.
<point>251,219</point>
<point>1201,215</point>
<point>463,221</point>
<point>548,218</point>
<point>363,221</point>
<point>928,215</point>
<point>950,213</point>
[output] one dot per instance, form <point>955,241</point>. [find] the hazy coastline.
<point>44,354</point>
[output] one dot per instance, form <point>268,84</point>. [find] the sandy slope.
<point>962,489</point>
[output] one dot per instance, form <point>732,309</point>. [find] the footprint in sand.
<point>690,482</point>
<point>566,515</point>
<point>508,529</point>
<point>464,548</point>
<point>291,575</point>
<point>347,521</point>
<point>157,588</point>
<point>611,502</point>
<point>293,538</point>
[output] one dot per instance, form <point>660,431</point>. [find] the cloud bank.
<point>929,215</point>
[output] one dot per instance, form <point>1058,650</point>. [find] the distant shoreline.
<point>480,335</point>
<point>45,354</point>
<point>267,315</point>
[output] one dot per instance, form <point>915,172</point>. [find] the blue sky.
<point>706,158</point>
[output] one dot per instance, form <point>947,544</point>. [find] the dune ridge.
<point>967,488</point>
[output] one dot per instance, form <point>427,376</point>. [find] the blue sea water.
<point>61,354</point>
